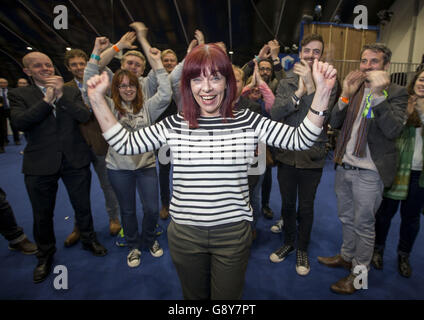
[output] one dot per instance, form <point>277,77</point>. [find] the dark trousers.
<point>8,227</point>
<point>42,193</point>
<point>298,183</point>
<point>266,186</point>
<point>410,210</point>
<point>211,262</point>
<point>164,171</point>
<point>15,132</point>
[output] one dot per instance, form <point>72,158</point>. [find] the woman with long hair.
<point>408,186</point>
<point>212,147</point>
<point>136,173</point>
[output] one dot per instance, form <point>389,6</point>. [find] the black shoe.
<point>281,253</point>
<point>43,269</point>
<point>377,259</point>
<point>267,212</point>
<point>96,248</point>
<point>404,267</point>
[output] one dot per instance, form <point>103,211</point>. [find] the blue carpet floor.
<point>109,277</point>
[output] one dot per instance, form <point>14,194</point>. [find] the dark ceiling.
<point>31,23</point>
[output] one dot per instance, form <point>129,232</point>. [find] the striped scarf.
<point>405,145</point>
<point>344,136</point>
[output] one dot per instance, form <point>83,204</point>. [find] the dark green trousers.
<point>211,262</point>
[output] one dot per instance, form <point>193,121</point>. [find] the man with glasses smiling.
<point>299,172</point>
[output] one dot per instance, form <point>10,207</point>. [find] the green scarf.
<point>405,145</point>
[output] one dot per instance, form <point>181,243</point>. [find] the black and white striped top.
<point>210,163</point>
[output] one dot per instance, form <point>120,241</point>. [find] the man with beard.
<point>371,113</point>
<point>271,71</point>
<point>299,172</point>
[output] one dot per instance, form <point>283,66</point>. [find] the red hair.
<point>201,58</point>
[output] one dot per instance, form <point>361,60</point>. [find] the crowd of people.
<point>219,130</point>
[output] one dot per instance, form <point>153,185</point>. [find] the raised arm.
<point>123,141</point>
<point>126,42</point>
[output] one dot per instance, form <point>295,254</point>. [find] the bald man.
<point>50,114</point>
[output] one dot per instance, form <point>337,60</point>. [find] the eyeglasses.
<point>126,86</point>
<point>265,69</point>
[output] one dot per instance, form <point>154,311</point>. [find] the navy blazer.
<point>50,137</point>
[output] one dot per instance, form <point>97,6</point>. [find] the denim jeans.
<point>303,184</point>
<point>125,183</point>
<point>410,210</point>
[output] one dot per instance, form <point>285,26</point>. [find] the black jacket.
<point>50,137</point>
<point>285,110</point>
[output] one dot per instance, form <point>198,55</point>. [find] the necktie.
<point>54,106</point>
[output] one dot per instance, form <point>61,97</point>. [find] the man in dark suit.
<point>49,114</point>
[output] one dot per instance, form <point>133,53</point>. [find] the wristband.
<point>115,47</point>
<point>344,99</point>
<point>319,113</point>
<point>95,56</point>
<point>257,58</point>
<point>296,99</point>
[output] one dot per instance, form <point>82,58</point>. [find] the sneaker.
<point>120,239</point>
<point>133,258</point>
<point>25,246</point>
<point>156,250</point>
<point>158,230</point>
<point>302,263</point>
<point>278,227</point>
<point>280,254</point>
<point>267,212</point>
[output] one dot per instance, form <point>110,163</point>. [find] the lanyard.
<point>368,113</point>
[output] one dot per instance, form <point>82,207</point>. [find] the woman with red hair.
<point>212,148</point>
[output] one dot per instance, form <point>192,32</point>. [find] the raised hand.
<point>303,70</point>
<point>274,47</point>
<point>301,90</point>
<point>265,52</point>
<point>191,46</point>
<point>100,44</point>
<point>352,82</point>
<point>140,28</point>
<point>155,61</point>
<point>97,86</point>
<point>198,35</point>
<point>379,80</point>
<point>324,75</point>
<point>126,42</point>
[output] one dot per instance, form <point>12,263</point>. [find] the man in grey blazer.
<point>371,113</point>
